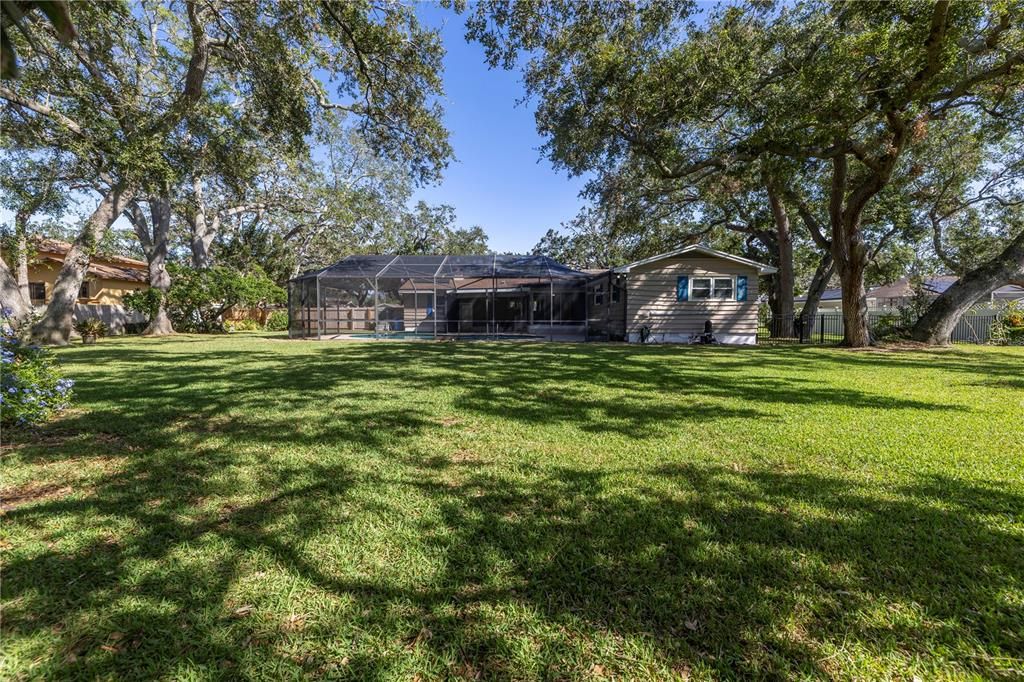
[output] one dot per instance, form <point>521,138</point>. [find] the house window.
<point>616,294</point>
<point>37,292</point>
<point>83,291</point>
<point>599,295</point>
<point>711,288</point>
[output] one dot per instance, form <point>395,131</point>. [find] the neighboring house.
<point>831,301</point>
<point>108,279</point>
<point>1011,292</point>
<point>671,295</point>
<point>900,293</point>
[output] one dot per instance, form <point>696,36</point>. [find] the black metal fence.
<point>828,327</point>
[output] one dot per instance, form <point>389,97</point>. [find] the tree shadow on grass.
<point>726,573</point>
<point>720,572</point>
<point>612,389</point>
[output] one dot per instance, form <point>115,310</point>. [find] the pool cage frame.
<point>443,296</point>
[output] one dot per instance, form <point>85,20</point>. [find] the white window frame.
<point>711,291</point>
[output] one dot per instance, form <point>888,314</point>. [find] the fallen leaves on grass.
<point>422,636</point>
<point>243,611</point>
<point>295,622</point>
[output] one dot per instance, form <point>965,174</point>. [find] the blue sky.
<point>499,180</point>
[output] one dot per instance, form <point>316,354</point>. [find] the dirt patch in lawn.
<point>18,496</point>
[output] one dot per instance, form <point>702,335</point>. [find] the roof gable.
<point>761,268</point>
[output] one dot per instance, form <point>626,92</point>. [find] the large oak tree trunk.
<point>14,293</point>
<point>784,238</point>
<point>202,230</point>
<point>10,294</point>
<point>938,321</point>
<point>856,333</point>
<point>155,246</point>
<point>55,326</point>
<point>202,240</point>
<point>848,249</point>
<point>22,257</point>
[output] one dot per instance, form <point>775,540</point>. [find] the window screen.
<point>722,288</point>
<point>700,288</point>
<point>37,292</point>
<point>711,288</point>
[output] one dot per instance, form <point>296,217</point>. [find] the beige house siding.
<point>102,291</point>
<point>651,300</point>
<point>106,294</point>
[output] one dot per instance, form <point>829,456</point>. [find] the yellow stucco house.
<point>108,279</point>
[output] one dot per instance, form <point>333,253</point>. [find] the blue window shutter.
<point>683,289</point>
<point>741,288</point>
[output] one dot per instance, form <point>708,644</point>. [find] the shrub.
<point>32,387</point>
<point>243,325</point>
<point>277,321</point>
<point>1008,327</point>
<point>144,301</point>
<point>198,299</point>
<point>91,326</point>
<point>892,325</point>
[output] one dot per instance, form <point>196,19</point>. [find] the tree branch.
<point>42,109</point>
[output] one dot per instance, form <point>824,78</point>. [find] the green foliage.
<point>1008,327</point>
<point>243,325</point>
<point>144,301</point>
<point>277,321</point>
<point>677,109</point>
<point>32,386</point>
<point>91,326</point>
<point>198,298</point>
<point>427,229</point>
<point>893,325</point>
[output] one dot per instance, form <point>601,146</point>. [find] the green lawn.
<point>255,507</point>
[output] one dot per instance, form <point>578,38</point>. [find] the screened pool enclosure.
<point>439,297</point>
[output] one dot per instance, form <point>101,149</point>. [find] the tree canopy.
<point>657,99</point>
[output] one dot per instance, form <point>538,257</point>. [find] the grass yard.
<point>254,507</point>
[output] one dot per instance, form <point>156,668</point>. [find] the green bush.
<point>91,326</point>
<point>199,298</point>
<point>32,387</point>
<point>893,325</point>
<point>277,321</point>
<point>1008,327</point>
<point>144,301</point>
<point>245,325</point>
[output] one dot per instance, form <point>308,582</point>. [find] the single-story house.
<point>106,282</point>
<point>673,294</point>
<point>831,301</point>
<point>901,292</point>
<point>668,297</point>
